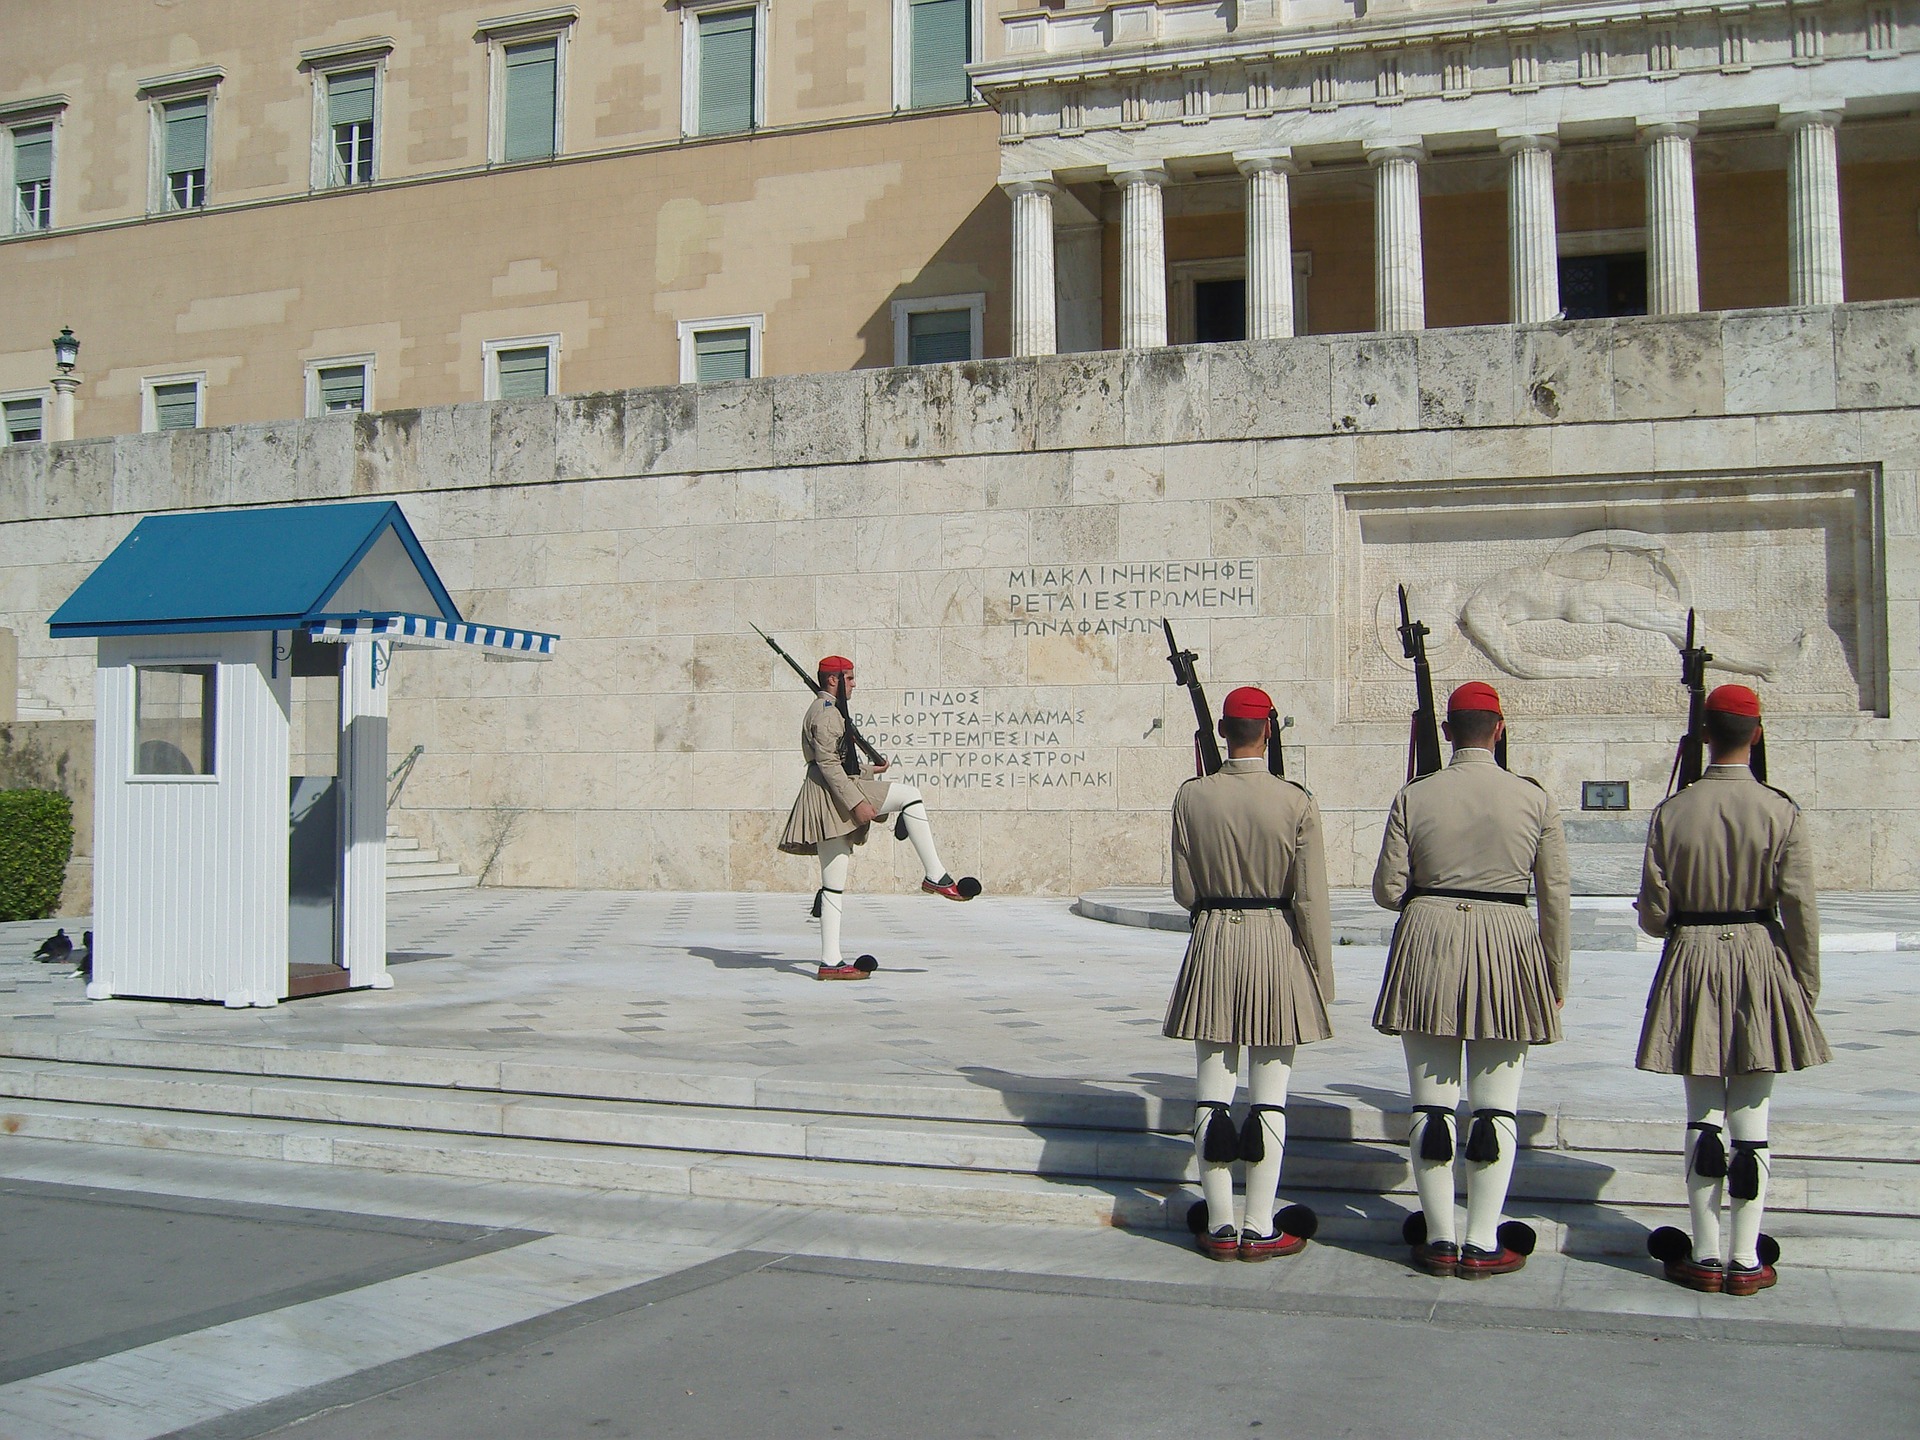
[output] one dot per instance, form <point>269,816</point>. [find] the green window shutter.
<point>937,336</point>
<point>22,418</point>
<point>33,154</point>
<point>532,71</point>
<point>343,387</point>
<point>176,407</point>
<point>939,52</point>
<point>350,97</point>
<point>726,72</point>
<point>523,373</point>
<point>723,354</point>
<point>186,122</point>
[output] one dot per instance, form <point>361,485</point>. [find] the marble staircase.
<point>412,867</point>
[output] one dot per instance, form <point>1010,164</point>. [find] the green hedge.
<point>36,840</point>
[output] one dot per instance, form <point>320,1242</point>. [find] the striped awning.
<point>428,631</point>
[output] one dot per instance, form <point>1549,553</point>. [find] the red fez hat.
<point>1474,695</point>
<point>1249,702</point>
<point>1734,700</point>
<point>835,664</point>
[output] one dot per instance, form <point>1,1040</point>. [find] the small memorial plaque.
<point>1603,794</point>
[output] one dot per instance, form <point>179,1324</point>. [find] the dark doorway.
<point>1593,287</point>
<point>1219,310</point>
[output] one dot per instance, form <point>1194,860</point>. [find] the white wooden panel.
<point>363,713</point>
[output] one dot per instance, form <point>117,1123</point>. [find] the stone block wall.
<point>995,544</point>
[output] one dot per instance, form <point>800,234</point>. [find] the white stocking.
<point>1216,1077</point>
<point>1748,1098</point>
<point>1706,1105</point>
<point>1433,1078</point>
<point>904,800</point>
<point>836,859</point>
<point>1269,1067</point>
<point>1494,1068</point>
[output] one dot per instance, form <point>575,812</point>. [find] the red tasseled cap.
<point>834,664</point>
<point>1734,700</point>
<point>1249,702</point>
<point>1474,695</point>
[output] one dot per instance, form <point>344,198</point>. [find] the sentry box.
<point>240,745</point>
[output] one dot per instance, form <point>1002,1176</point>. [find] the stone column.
<point>60,413</point>
<point>1673,254</point>
<point>1399,278</point>
<point>1533,238</point>
<point>1143,256</point>
<point>1033,286</point>
<point>1269,244</point>
<point>1814,274</point>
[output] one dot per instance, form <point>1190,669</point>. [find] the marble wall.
<point>995,544</point>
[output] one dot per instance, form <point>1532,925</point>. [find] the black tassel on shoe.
<point>1253,1136</point>
<point>1413,1229</point>
<point>1221,1145</point>
<point>1669,1245</point>
<point>1709,1155</point>
<point>1296,1220</point>
<point>1483,1141</point>
<point>1743,1175</point>
<point>1436,1137</point>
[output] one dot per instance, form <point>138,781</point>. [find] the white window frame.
<point>133,774</point>
<point>754,325</point>
<point>690,13</point>
<point>28,115</point>
<point>149,411</point>
<point>903,53</point>
<point>975,305</point>
<point>332,362</point>
<point>370,54</point>
<point>497,35</point>
<point>43,395</point>
<point>490,361</point>
<point>159,93</point>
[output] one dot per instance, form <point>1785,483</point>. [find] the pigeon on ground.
<point>55,948</point>
<point>83,958</point>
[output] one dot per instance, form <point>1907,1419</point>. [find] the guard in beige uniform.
<point>838,802</point>
<point>1728,882</point>
<point>1249,866</point>
<point>1469,967</point>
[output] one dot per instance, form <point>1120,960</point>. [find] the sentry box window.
<point>1603,795</point>
<point>173,719</point>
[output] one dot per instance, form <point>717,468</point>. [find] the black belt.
<point>1491,897</point>
<point>1720,917</point>
<point>1231,902</point>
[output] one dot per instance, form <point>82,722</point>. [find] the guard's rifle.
<point>1690,759</point>
<point>851,765</point>
<point>1423,737</point>
<point>1206,749</point>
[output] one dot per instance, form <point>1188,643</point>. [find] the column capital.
<point>65,384</point>
<point>1661,127</point>
<point>1381,152</point>
<point>1513,142</point>
<point>1040,184</point>
<point>1255,162</point>
<point>1793,117</point>
<point>1146,172</point>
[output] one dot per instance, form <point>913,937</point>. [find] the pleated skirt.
<point>1246,982</point>
<point>1728,1006</point>
<point>815,817</point>
<point>1473,973</point>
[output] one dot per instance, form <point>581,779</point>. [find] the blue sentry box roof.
<point>268,568</point>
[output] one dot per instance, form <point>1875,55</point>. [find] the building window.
<point>1593,287</point>
<point>1207,299</point>
<point>938,329</point>
<point>350,127</point>
<point>527,56</point>
<point>173,402</point>
<point>521,369</point>
<point>722,70</point>
<point>1883,33</point>
<point>183,164</point>
<point>339,386</point>
<point>938,42</point>
<point>723,348</point>
<point>22,418</point>
<point>33,177</point>
<point>173,719</point>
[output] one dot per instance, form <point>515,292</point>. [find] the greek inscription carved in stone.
<point>968,740</point>
<point>1127,598</point>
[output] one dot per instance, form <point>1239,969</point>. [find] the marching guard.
<point>839,800</point>
<point>1250,867</point>
<point>1728,883</point>
<point>1470,968</point>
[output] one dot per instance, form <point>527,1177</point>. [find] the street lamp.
<point>66,355</point>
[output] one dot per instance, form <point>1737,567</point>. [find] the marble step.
<point>1591,1175</point>
<point>1844,1241</point>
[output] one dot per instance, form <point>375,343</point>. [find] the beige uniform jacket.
<point>1727,843</point>
<point>823,810</point>
<point>1474,826</point>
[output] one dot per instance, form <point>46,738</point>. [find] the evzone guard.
<point>839,800</point>
<point>1470,970</point>
<point>1727,882</point>
<point>1250,867</point>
